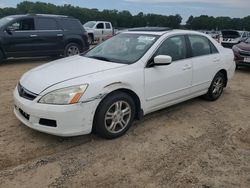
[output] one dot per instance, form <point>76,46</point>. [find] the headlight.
<point>236,49</point>
<point>69,95</point>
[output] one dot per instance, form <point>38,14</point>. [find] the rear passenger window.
<point>46,24</point>
<point>100,26</point>
<point>201,46</point>
<point>174,47</point>
<point>107,25</point>
<point>71,24</point>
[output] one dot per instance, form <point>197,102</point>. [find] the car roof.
<point>42,15</point>
<point>161,32</point>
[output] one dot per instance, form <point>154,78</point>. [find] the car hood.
<point>244,46</point>
<point>47,75</point>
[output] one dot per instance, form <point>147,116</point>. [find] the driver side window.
<point>23,25</point>
<point>174,47</point>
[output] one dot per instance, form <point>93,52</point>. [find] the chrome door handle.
<point>59,35</point>
<point>33,35</point>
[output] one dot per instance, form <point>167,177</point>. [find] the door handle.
<point>187,67</point>
<point>33,35</point>
<point>59,35</point>
<point>216,59</point>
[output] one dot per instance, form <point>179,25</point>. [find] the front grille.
<point>227,45</point>
<point>26,93</point>
<point>244,53</point>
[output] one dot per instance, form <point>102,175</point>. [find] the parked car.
<point>242,53</point>
<point>130,75</point>
<point>98,30</point>
<point>41,35</point>
<point>232,37</point>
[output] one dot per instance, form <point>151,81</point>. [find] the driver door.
<point>167,84</point>
<point>21,38</point>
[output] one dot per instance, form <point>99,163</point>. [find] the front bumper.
<point>71,120</point>
<point>240,59</point>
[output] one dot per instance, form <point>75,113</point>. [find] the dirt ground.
<point>193,144</point>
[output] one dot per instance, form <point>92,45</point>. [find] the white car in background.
<point>98,30</point>
<point>232,37</point>
<point>130,75</point>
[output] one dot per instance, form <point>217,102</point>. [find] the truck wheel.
<point>90,39</point>
<point>71,49</point>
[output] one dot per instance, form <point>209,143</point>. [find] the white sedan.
<point>130,75</point>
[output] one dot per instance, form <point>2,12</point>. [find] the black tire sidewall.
<point>68,46</point>
<point>210,96</point>
<point>1,57</point>
<point>99,125</point>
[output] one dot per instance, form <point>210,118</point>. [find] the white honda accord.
<point>132,74</point>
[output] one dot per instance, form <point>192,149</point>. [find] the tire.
<point>72,49</point>
<point>1,57</point>
<point>114,116</point>
<point>216,88</point>
<point>90,39</point>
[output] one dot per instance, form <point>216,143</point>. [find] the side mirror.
<point>162,60</point>
<point>9,30</point>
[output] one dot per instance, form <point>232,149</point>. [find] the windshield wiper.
<point>100,58</point>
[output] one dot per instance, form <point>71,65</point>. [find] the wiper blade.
<point>100,58</point>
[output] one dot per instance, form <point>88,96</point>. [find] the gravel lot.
<point>193,144</point>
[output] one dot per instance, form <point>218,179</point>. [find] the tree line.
<point>124,19</point>
<point>205,22</point>
<point>119,19</point>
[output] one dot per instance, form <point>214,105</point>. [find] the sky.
<point>231,8</point>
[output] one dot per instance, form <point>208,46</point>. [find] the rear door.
<point>108,30</point>
<point>21,39</point>
<point>99,31</point>
<point>206,62</point>
<point>50,36</point>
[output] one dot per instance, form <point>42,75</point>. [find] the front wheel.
<point>216,88</point>
<point>114,115</point>
<point>71,49</point>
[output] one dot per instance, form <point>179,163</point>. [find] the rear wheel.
<point>216,88</point>
<point>114,115</point>
<point>71,49</point>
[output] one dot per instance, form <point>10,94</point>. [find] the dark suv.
<point>41,35</point>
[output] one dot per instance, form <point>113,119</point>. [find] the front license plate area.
<point>247,59</point>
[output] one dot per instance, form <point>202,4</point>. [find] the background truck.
<point>98,30</point>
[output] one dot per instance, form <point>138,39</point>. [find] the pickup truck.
<point>98,30</point>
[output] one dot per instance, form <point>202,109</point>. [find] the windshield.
<point>230,34</point>
<point>124,48</point>
<point>4,21</point>
<point>89,24</point>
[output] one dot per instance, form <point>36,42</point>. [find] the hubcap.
<point>218,86</point>
<point>73,50</point>
<point>117,117</point>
